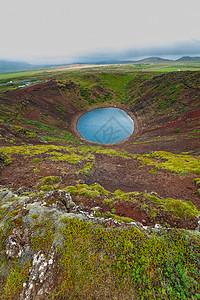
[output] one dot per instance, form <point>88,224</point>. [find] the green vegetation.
<point>51,133</point>
<point>87,169</point>
<point>153,172</point>
<point>15,280</point>
<point>20,75</point>
<point>112,215</point>
<point>36,160</point>
<point>197,182</point>
<point>4,230</point>
<point>43,235</point>
<point>50,180</point>
<point>84,190</point>
<point>181,164</point>
<point>151,203</point>
<point>70,154</point>
<point>177,207</point>
<point>128,263</point>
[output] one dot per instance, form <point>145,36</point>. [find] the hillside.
<point>12,66</point>
<point>81,220</point>
<point>154,60</point>
<point>189,59</point>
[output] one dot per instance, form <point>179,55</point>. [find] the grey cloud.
<point>191,47</point>
<point>172,51</point>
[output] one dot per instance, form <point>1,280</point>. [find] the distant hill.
<point>154,60</point>
<point>17,66</point>
<point>189,59</point>
<point>13,66</point>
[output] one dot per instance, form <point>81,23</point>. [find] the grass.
<point>19,74</point>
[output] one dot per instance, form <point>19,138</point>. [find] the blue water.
<point>22,82</point>
<point>105,125</point>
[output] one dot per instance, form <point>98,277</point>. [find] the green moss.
<point>18,129</point>
<point>197,181</point>
<point>8,158</point>
<point>36,160</point>
<point>181,164</point>
<point>179,208</point>
<point>70,154</point>
<point>50,180</point>
<point>99,188</point>
<point>154,203</point>
<point>72,158</point>
<point>84,190</point>
<point>43,235</point>
<point>109,202</point>
<point>87,169</point>
<point>153,172</point>
<point>108,215</point>
<point>141,166</point>
<point>144,207</point>
<point>89,191</point>
<point>15,280</point>
<point>31,135</point>
<point>129,263</point>
<point>123,196</point>
<point>163,105</point>
<point>24,132</point>
<point>35,216</point>
<point>47,187</point>
<point>154,212</point>
<point>51,130</point>
<point>121,219</point>
<point>18,222</point>
<point>5,231</point>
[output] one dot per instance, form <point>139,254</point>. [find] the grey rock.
<point>41,281</point>
<point>16,243</point>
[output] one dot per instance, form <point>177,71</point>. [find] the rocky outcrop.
<point>41,278</point>
<point>28,214</point>
<point>16,243</point>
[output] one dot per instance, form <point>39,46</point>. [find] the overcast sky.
<point>44,31</point>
